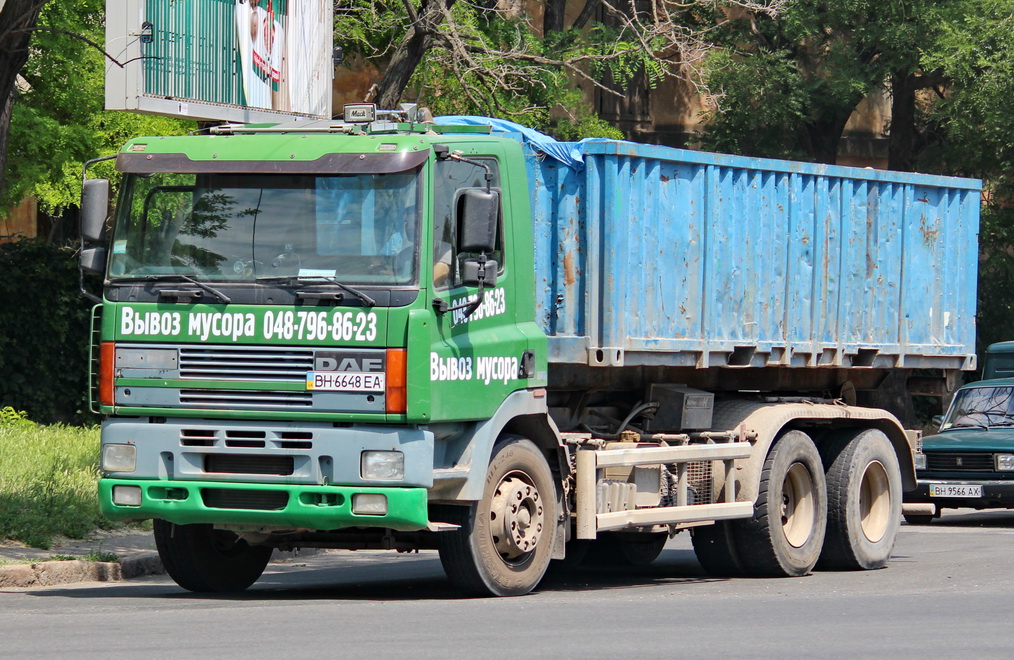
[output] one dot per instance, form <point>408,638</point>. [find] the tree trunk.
<point>409,54</point>
<point>820,138</point>
<point>552,18</point>
<point>15,15</point>
<point>904,135</point>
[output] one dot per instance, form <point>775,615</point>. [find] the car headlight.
<point>920,461</point>
<point>1004,462</point>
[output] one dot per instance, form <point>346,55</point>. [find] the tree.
<point>787,85</point>
<point>58,116</point>
<point>971,133</point>
<point>17,17</point>
<point>495,59</point>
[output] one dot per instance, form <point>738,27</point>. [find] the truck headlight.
<point>1004,462</point>
<point>382,465</point>
<point>119,458</point>
<point>920,461</point>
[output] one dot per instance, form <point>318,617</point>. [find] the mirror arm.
<point>443,153</point>
<point>441,307</point>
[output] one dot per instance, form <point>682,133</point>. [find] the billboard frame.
<point>125,82</point>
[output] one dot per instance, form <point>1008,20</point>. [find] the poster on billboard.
<point>226,60</point>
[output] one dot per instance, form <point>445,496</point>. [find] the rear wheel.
<point>202,558</point>
<point>785,535</point>
<point>505,540</point>
<point>716,549</point>
<point>863,501</point>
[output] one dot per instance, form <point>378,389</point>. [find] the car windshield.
<point>981,407</point>
<point>356,229</point>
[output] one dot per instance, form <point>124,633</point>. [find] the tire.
<point>786,533</point>
<point>614,549</point>
<point>505,541</point>
<point>716,550</point>
<point>576,553</point>
<point>202,559</point>
<point>863,501</point>
<point>641,549</point>
<point>918,519</point>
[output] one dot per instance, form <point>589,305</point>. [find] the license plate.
<point>948,490</point>
<point>345,381</point>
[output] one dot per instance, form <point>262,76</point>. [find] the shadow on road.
<point>395,579</point>
<point>987,518</point>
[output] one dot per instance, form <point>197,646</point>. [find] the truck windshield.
<point>981,407</point>
<point>357,229</point>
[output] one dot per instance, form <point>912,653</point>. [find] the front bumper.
<point>996,494</point>
<point>279,505</point>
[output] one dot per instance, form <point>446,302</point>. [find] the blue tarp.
<point>569,153</point>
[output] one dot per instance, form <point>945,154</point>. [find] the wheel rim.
<point>516,517</point>
<point>875,501</point>
<point>798,509</point>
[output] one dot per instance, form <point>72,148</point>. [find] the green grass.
<point>48,481</point>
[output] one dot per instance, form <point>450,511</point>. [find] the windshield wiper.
<point>363,297</point>
<point>968,426</point>
<point>176,276</point>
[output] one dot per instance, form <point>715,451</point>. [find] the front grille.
<point>190,437</point>
<point>260,500</point>
<point>245,363</point>
<point>947,461</point>
<point>245,399</point>
<point>247,464</point>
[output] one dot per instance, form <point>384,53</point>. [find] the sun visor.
<point>373,163</point>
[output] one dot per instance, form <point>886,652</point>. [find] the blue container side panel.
<point>664,256</point>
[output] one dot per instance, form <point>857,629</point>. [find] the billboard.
<point>228,60</point>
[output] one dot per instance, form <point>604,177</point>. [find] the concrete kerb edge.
<point>46,573</point>
<point>52,573</point>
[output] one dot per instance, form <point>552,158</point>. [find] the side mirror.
<point>937,420</point>
<point>478,213</point>
<point>477,271</point>
<point>93,260</point>
<point>94,210</point>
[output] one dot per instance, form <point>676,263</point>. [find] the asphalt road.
<point>946,594</point>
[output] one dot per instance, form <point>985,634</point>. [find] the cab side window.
<point>451,177</point>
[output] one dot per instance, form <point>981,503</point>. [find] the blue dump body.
<point>656,256</point>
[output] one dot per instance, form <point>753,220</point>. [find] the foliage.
<point>11,417</point>
<point>995,313</point>
<point>785,86</point>
<point>44,323</point>
<point>59,121</point>
<point>975,54</point>
<point>48,477</point>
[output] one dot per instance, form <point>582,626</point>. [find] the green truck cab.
<point>969,462</point>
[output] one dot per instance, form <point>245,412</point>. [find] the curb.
<point>52,573</point>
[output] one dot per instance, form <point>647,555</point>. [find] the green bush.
<point>44,332</point>
<point>48,481</point>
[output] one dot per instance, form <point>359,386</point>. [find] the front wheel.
<point>863,501</point>
<point>201,558</point>
<point>786,533</point>
<point>614,549</point>
<point>505,540</point>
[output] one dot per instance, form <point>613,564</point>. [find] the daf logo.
<point>358,363</point>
